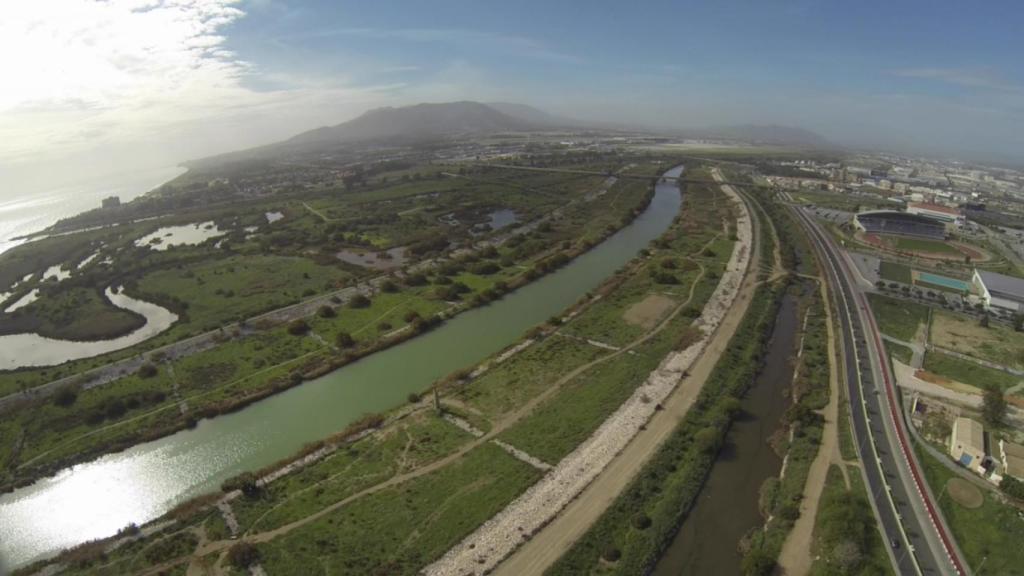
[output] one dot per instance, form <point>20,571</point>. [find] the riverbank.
<point>380,374</point>
<point>407,309</point>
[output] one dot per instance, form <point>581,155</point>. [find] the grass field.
<point>845,522</point>
<point>898,318</point>
<point>400,529</point>
<point>899,352</point>
<point>410,444</point>
<point>234,288</point>
<point>993,531</point>
<point>968,372</point>
<point>894,272</point>
<point>923,245</point>
<point>996,343</point>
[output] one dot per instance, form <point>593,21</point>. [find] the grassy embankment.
<point>969,372</point>
<point>846,537</point>
<point>898,318</point>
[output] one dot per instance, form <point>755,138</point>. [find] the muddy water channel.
<point>727,507</point>
<point>95,499</point>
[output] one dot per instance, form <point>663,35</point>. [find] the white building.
<point>998,292</point>
<point>951,217</point>
<point>967,443</point>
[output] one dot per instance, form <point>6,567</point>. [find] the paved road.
<point>914,530</point>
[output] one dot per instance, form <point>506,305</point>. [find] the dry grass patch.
<point>964,493</point>
<point>647,312</point>
<point>997,343</point>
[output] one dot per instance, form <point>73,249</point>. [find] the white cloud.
<point>967,77</point>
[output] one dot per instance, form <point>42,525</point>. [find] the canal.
<point>727,506</point>
<point>96,499</point>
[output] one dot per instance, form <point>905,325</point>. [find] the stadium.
<point>899,224</point>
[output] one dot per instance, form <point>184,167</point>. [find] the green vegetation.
<point>406,446</point>
<point>898,318</point>
<point>969,372</point>
<point>900,352</point>
<point>922,245</point>
<point>894,272</point>
<point>210,288</point>
<point>780,498</point>
<point>665,488</point>
<point>993,531</point>
<point>996,343</point>
<point>400,529</point>
<point>846,536</point>
<point>76,313</point>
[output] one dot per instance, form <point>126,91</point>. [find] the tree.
<point>994,405</point>
<point>243,555</point>
<point>344,340</point>
<point>65,397</point>
<point>298,327</point>
<point>359,301</point>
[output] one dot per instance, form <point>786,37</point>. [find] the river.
<point>727,506</point>
<point>95,499</point>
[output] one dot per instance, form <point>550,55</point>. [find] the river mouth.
<point>727,505</point>
<point>96,499</point>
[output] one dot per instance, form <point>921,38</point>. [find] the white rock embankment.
<point>497,538</point>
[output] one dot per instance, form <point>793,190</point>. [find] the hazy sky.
<point>92,87</point>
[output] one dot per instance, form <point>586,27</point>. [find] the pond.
<point>22,350</point>
<point>502,218</point>
<point>274,216</point>
<point>382,260</point>
<point>186,235</point>
<point>57,272</point>
<point>23,301</point>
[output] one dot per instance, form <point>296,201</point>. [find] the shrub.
<point>147,370</point>
<point>65,397</point>
<point>413,397</point>
<point>298,327</point>
<point>344,340</point>
<point>611,554</point>
<point>641,521</point>
<point>243,555</point>
<point>388,286</point>
<point>326,311</point>
<point>359,301</point>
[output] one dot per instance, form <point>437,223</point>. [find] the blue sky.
<point>160,81</point>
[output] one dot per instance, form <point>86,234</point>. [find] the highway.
<point>915,533</point>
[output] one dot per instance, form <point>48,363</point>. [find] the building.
<point>1012,456</point>
<point>899,224</point>
<point>111,202</point>
<point>1000,293</point>
<point>951,217</point>
<point>967,443</point>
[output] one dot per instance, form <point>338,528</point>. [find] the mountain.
<point>534,115</point>
<point>419,122</point>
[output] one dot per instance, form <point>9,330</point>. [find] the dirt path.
<point>795,557</point>
<point>547,546</point>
